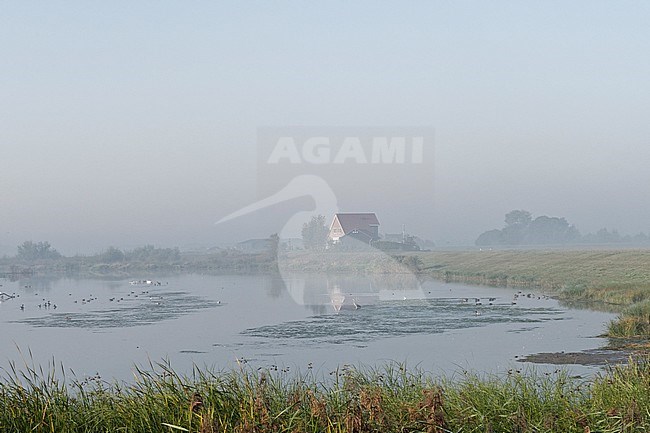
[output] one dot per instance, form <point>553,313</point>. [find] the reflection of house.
<point>255,245</point>
<point>360,226</point>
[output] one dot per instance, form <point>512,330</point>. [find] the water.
<point>108,327</point>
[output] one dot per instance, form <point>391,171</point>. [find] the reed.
<point>350,399</point>
<point>633,322</point>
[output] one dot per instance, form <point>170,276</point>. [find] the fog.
<point>125,124</point>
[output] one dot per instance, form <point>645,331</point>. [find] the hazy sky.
<point>124,123</point>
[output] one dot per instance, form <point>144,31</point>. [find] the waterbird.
<point>356,306</point>
<point>477,313</point>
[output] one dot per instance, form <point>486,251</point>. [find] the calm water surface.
<point>108,327</point>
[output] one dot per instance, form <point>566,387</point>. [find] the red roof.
<point>357,221</point>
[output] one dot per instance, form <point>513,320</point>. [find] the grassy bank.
<point>618,279</point>
<point>349,400</point>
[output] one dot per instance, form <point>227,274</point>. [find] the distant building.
<point>255,245</point>
<point>363,227</point>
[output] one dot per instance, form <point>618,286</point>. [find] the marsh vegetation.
<point>349,399</point>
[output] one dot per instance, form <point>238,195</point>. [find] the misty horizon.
<point>124,125</point>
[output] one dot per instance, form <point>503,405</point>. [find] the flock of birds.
<point>519,294</point>
<point>46,304</point>
<point>337,302</point>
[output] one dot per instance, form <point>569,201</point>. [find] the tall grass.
<point>633,322</point>
<point>355,400</point>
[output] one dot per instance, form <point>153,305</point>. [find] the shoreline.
<point>616,280</point>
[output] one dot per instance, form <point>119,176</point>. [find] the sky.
<point>131,123</point>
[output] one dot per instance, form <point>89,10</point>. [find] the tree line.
<point>30,251</point>
<point>521,229</point>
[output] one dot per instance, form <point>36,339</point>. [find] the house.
<point>360,226</point>
<point>255,245</point>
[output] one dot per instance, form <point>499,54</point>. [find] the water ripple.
<point>395,319</point>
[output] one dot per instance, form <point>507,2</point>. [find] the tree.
<point>112,255</point>
<point>551,230</point>
<point>314,234</point>
<point>517,222</point>
<point>521,229</point>
<point>151,254</point>
<point>518,218</point>
<point>490,237</point>
<point>37,251</point>
<point>275,242</point>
